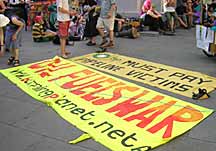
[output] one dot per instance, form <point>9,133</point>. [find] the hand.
<point>109,15</point>
<point>14,37</point>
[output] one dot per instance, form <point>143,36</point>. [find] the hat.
<point>38,19</point>
<point>147,4</point>
<point>3,20</point>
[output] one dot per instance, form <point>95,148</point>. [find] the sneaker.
<point>109,45</point>
<point>64,56</point>
<point>103,42</point>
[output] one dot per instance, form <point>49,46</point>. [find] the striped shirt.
<point>37,30</point>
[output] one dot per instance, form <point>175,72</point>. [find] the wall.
<point>133,6</point>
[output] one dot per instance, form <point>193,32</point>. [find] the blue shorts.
<point>9,43</point>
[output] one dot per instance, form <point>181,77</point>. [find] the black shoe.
<point>90,43</point>
<point>10,60</point>
<point>102,49</point>
<point>202,94</point>
<point>103,42</point>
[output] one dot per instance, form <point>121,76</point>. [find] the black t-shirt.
<point>118,16</point>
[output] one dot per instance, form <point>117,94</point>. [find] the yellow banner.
<point>118,114</point>
<point>165,77</point>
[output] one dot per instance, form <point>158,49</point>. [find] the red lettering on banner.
<point>38,65</point>
<point>96,85</point>
<point>129,105</point>
<point>144,121</point>
<point>72,84</point>
<point>116,95</point>
<point>74,75</point>
<point>90,96</point>
<point>45,67</point>
<point>195,115</point>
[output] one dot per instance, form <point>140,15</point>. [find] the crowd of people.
<point>91,18</point>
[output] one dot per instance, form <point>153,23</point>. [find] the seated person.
<point>39,31</point>
<point>181,11</point>
<point>122,28</point>
<point>210,20</point>
<point>151,17</point>
<point>119,21</point>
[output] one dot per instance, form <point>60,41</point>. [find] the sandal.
<point>10,60</point>
<point>16,63</point>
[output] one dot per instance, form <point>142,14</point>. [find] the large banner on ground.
<point>165,77</point>
<point>118,114</point>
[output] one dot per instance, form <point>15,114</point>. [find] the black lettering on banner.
<point>202,81</point>
<point>116,132</point>
<point>177,74</point>
<point>134,73</point>
<point>189,78</point>
<point>160,70</point>
<point>129,139</point>
<point>112,67</point>
<point>147,67</point>
<point>130,63</point>
<point>62,101</point>
<point>163,82</point>
<point>156,78</point>
<point>65,103</point>
<point>143,148</point>
<point>69,106</point>
<point>19,73</point>
<point>108,127</point>
<point>172,83</point>
<point>89,114</point>
<point>98,63</point>
<point>78,111</point>
<point>45,93</point>
<point>183,87</point>
<point>144,75</point>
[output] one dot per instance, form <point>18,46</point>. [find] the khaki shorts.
<point>106,23</point>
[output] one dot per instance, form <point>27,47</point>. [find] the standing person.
<point>3,22</point>
<point>13,37</point>
<point>91,22</point>
<point>106,20</point>
<point>63,17</point>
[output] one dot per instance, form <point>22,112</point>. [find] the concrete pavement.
<point>28,125</point>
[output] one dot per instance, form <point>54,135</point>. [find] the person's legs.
<point>63,35</point>
<point>109,23</point>
<point>100,28</point>
<point>15,49</point>
<point>169,20</point>
<point>1,41</point>
<point>63,46</point>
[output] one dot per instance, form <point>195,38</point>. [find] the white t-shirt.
<point>167,8</point>
<point>62,16</point>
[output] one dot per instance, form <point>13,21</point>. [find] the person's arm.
<point>18,23</point>
<point>112,9</point>
<point>2,5</point>
<point>64,11</point>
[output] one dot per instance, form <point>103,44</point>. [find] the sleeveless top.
<point>11,25</point>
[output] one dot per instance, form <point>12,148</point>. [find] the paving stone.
<point>15,139</point>
<point>12,111</point>
<point>205,130</point>
<point>186,144</point>
<point>47,122</point>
